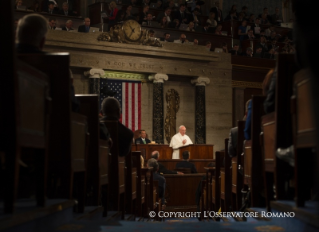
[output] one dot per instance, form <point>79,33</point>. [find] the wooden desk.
<point>198,151</point>
<point>180,191</point>
<point>199,163</point>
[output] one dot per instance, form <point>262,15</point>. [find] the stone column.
<point>158,106</point>
<point>94,82</point>
<point>200,109</point>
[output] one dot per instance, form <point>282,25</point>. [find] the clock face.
<point>132,30</point>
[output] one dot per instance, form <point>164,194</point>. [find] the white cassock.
<point>177,142</point>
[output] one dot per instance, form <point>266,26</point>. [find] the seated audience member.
<point>151,33</point>
<point>265,12</point>
<point>242,30</point>
<point>159,5</point>
<point>263,44</point>
<point>266,86</point>
<point>65,10</point>
<point>190,27</point>
<point>208,45</point>
<point>224,47</point>
<point>249,52</point>
<point>194,17</point>
<point>264,20</point>
<point>162,169</point>
<point>235,50</point>
<point>149,19</point>
<point>246,109</point>
<point>142,139</point>
<point>143,15</point>
<point>250,34</point>
<point>68,26</point>
<point>258,52</point>
<point>231,16</point>
<point>146,3</point>
<point>195,42</point>
<point>171,5</point>
<point>244,11</point>
<point>111,110</point>
<point>113,13</point>
<point>166,13</point>
<point>182,39</point>
<point>211,21</point>
<point>233,9</point>
<point>232,142</point>
<point>218,12</point>
<point>174,24</point>
<point>276,18</point>
<point>181,14</point>
<point>256,27</point>
<point>166,37</point>
<point>241,17</point>
<point>251,18</point>
<point>31,33</point>
<point>17,4</point>
<point>35,6</point>
<point>152,163</point>
<point>271,54</point>
<point>52,24</point>
<point>218,30</point>
<point>125,14</point>
<point>51,9</point>
<point>273,36</point>
<point>164,23</point>
<point>205,28</point>
<point>185,163</point>
<point>86,27</point>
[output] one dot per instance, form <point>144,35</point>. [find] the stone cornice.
<point>158,77</point>
<point>94,73</point>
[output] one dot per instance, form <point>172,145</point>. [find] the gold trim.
<point>125,76</point>
<point>246,84</point>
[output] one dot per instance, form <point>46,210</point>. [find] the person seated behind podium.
<point>31,33</point>
<point>162,169</point>
<point>51,8</point>
<point>68,26</point>
<point>111,110</point>
<point>185,163</point>
<point>65,10</point>
<point>86,27</point>
<point>152,163</point>
<point>142,139</point>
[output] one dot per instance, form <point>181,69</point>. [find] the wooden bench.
<point>253,176</point>
<point>61,150</point>
<point>31,143</point>
<point>225,182</point>
<point>117,171</point>
<point>131,183</point>
<point>98,159</point>
<point>236,162</point>
<point>304,135</point>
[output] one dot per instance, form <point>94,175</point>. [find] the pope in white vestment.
<point>179,140</point>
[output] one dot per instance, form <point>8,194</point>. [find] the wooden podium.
<point>197,151</point>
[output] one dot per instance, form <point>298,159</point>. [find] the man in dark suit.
<point>65,10</point>
<point>142,139</point>
<point>166,37</point>
<point>185,163</point>
<point>162,169</point>
<point>51,9</point>
<point>111,110</point>
<point>86,27</point>
<point>52,24</point>
<point>181,14</point>
<point>152,163</point>
<point>218,12</point>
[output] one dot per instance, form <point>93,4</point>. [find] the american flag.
<point>128,93</point>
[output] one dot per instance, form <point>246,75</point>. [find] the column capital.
<point>200,81</point>
<point>158,77</point>
<point>94,73</point>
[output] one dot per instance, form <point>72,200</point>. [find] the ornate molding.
<point>200,81</point>
<point>173,100</point>
<point>158,77</point>
<point>125,76</point>
<point>158,113</point>
<point>200,115</point>
<point>246,84</point>
<point>94,73</point>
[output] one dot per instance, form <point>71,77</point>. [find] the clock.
<point>132,30</point>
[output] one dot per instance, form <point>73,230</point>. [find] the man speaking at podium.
<point>179,140</point>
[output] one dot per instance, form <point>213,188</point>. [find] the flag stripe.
<point>123,102</point>
<point>139,106</point>
<point>136,107</point>
<point>133,106</point>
